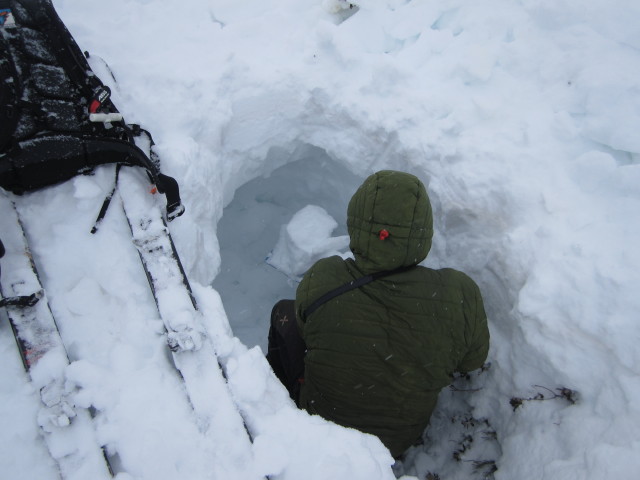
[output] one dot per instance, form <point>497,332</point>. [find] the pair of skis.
<point>32,35</point>
<point>67,429</point>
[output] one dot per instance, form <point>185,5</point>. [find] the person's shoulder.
<point>451,277</point>
<point>326,271</point>
<point>327,265</point>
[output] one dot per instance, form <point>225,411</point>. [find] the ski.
<point>192,350</point>
<point>67,429</point>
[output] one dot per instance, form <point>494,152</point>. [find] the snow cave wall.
<point>324,159</point>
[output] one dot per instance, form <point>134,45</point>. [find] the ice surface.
<point>521,118</point>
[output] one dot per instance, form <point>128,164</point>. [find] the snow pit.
<point>276,226</point>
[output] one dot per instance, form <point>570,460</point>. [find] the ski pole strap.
<point>352,285</point>
<point>107,202</point>
<point>169,187</point>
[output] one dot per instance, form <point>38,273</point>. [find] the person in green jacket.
<point>375,357</point>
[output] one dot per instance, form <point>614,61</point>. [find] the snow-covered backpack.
<point>56,116</point>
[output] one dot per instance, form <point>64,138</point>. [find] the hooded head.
<point>390,222</point>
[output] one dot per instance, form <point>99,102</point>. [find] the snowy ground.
<point>522,119</point>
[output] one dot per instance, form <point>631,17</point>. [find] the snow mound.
<point>306,239</point>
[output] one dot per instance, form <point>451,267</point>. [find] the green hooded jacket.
<point>377,356</point>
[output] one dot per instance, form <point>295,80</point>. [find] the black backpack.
<point>56,116</point>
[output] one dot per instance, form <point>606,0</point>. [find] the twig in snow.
<point>566,393</point>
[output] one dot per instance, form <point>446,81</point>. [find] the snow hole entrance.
<point>250,228</point>
<point>457,445</point>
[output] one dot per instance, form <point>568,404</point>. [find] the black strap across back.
<point>352,285</point>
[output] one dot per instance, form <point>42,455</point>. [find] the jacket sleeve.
<point>477,330</point>
<point>317,281</point>
<point>306,288</point>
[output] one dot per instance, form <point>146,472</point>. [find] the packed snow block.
<point>306,239</point>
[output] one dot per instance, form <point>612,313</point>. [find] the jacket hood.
<point>390,222</point>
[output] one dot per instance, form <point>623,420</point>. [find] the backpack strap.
<point>352,285</point>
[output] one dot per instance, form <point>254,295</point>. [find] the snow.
<point>305,240</point>
<point>520,117</point>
